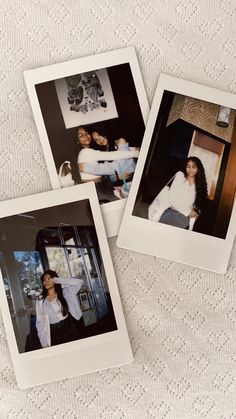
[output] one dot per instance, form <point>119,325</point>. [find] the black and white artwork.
<point>86,98</point>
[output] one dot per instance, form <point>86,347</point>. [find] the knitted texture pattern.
<point>181,320</point>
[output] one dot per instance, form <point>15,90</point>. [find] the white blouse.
<point>56,305</point>
<point>182,194</point>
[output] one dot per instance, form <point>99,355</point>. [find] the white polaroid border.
<point>78,357</point>
<point>112,211</point>
<point>145,236</point>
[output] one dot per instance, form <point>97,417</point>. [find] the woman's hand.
<point>193,214</point>
<point>125,175</point>
<point>120,141</point>
<point>81,167</point>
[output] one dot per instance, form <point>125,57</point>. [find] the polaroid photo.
<point>91,114</point>
<point>58,294</point>
<point>181,204</point>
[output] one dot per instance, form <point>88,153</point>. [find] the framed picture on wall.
<point>91,115</point>
<point>182,202</point>
<point>86,98</point>
<point>58,293</point>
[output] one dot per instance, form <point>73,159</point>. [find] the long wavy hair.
<point>200,182</point>
<point>58,290</point>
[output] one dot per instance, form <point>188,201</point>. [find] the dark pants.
<point>174,218</point>
<point>63,331</point>
<point>80,328</point>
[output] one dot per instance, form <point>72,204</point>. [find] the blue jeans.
<point>174,218</point>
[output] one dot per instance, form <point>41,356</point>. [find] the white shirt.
<point>182,194</point>
<point>56,305</point>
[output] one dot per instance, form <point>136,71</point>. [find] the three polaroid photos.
<point>178,175</point>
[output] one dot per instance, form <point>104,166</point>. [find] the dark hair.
<point>75,149</point>
<point>99,131</point>
<point>58,289</point>
<point>200,183</point>
<point>82,127</point>
<point>94,144</point>
<point>76,133</point>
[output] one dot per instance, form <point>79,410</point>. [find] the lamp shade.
<point>223,117</point>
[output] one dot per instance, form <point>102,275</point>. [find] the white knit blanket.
<point>181,320</point>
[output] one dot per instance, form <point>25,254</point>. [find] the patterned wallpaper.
<point>201,114</point>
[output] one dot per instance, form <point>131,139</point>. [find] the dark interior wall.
<point>155,173</point>
<point>167,154</point>
<point>20,232</point>
<point>53,119</point>
<point>129,123</point>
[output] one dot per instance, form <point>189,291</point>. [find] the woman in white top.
<point>58,309</point>
<point>187,195</point>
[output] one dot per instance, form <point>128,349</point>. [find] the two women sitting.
<point>92,158</point>
<point>96,159</point>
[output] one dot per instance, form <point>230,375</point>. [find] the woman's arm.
<point>41,325</point>
<point>118,155</point>
<point>100,169</point>
<point>194,214</point>
<point>94,155</point>
<point>76,283</point>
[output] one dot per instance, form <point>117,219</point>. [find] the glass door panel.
<point>29,268</point>
<point>96,284</point>
<point>101,302</point>
<point>76,262</point>
<point>57,260</point>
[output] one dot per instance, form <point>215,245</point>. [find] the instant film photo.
<point>90,114</point>
<point>182,202</point>
<point>58,293</point>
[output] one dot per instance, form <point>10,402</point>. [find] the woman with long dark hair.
<point>187,195</point>
<point>58,309</point>
<point>99,140</point>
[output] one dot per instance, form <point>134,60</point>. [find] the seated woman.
<point>117,164</point>
<point>187,195</point>
<point>58,313</point>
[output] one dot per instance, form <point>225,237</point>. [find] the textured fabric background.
<point>181,320</point>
